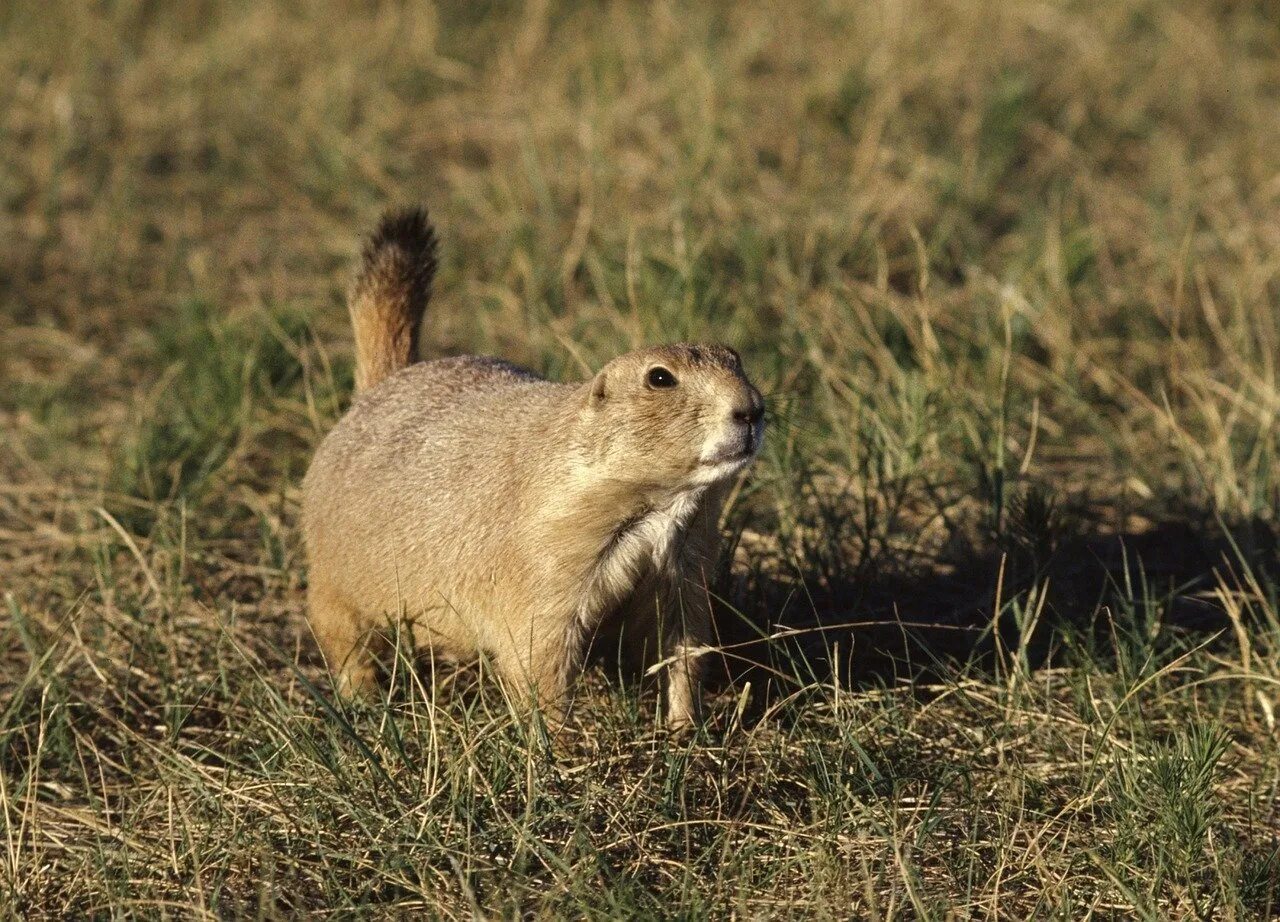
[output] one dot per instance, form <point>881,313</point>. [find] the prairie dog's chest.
<point>650,543</point>
<point>656,535</point>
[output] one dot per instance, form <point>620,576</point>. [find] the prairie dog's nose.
<point>750,413</point>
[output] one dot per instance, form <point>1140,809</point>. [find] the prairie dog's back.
<point>414,407</point>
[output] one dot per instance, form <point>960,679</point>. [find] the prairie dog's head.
<point>674,416</point>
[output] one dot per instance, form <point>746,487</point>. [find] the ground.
<point>1001,616</point>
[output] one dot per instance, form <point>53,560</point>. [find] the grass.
<point>1002,615</point>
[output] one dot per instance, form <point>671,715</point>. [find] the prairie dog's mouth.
<point>728,456</point>
<point>736,450</point>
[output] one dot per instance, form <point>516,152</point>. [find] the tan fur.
<point>500,513</point>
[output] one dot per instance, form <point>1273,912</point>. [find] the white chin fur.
<point>711,469</point>
<point>710,473</point>
<point>729,444</point>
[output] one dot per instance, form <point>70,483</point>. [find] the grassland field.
<point>1000,608</point>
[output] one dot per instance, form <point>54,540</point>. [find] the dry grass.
<point>1008,272</point>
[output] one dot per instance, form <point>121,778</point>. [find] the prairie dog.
<point>500,513</point>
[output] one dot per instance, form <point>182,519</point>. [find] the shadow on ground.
<point>918,622</point>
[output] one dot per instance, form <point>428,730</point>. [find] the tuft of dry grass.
<point>1001,625</point>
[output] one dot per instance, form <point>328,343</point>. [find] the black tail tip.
<point>408,230</point>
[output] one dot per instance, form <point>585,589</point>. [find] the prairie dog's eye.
<point>660,377</point>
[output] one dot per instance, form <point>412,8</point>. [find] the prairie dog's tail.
<point>390,294</point>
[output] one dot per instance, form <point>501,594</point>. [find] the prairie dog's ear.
<point>599,389</point>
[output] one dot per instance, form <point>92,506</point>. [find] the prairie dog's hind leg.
<point>344,640</point>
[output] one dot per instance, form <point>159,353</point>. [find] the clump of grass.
<point>1165,811</point>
